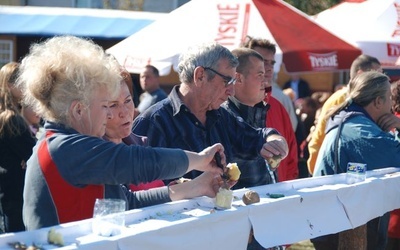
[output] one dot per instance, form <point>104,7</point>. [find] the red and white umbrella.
<point>302,45</point>
<point>373,26</point>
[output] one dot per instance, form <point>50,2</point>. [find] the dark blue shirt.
<point>148,99</point>
<point>254,171</point>
<point>170,123</point>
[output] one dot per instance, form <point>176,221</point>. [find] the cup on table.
<point>356,172</point>
<point>224,198</point>
<point>108,217</point>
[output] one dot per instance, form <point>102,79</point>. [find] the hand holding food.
<point>276,145</point>
<point>204,160</point>
<point>274,161</point>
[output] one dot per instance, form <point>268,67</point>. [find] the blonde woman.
<point>69,81</point>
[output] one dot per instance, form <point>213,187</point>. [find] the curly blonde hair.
<point>64,69</point>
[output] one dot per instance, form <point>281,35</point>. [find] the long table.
<point>310,207</point>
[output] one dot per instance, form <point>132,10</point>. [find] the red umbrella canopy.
<point>305,45</point>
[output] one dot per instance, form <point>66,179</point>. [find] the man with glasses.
<point>191,116</point>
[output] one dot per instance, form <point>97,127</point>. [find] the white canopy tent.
<point>373,26</point>
<point>52,21</point>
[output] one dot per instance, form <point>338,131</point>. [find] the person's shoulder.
<point>287,84</point>
<point>275,103</point>
<point>157,108</point>
<point>303,81</point>
<point>359,119</point>
<point>159,92</point>
<point>278,106</point>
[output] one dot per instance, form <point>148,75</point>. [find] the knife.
<point>225,177</point>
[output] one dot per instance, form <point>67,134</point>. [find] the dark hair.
<point>244,55</point>
<point>363,63</point>
<point>154,69</point>
<point>251,43</point>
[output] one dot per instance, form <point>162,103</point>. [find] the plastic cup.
<point>356,172</point>
<point>224,198</point>
<point>108,217</point>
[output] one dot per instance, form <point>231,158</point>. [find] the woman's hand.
<point>204,161</point>
<point>206,184</point>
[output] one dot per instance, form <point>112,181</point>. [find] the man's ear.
<point>378,102</point>
<point>239,77</point>
<point>199,75</point>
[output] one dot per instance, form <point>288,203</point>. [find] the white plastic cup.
<point>356,172</point>
<point>224,198</point>
<point>108,217</point>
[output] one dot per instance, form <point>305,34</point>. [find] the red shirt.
<point>278,118</point>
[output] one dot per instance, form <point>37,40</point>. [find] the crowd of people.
<point>67,96</point>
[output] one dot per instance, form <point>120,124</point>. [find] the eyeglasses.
<point>228,80</point>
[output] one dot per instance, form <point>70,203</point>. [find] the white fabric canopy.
<point>373,26</point>
<point>52,21</point>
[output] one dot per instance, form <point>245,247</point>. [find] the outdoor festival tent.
<point>85,22</point>
<point>303,46</point>
<point>373,26</point>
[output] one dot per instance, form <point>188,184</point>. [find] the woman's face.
<point>94,117</point>
<point>30,115</point>
<point>122,109</point>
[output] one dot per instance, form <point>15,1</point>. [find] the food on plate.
<point>224,198</point>
<point>250,197</point>
<point>55,238</point>
<point>233,171</point>
<point>274,161</point>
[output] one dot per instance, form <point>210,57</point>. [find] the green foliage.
<point>312,7</point>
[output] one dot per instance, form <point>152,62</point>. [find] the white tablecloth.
<point>311,207</point>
